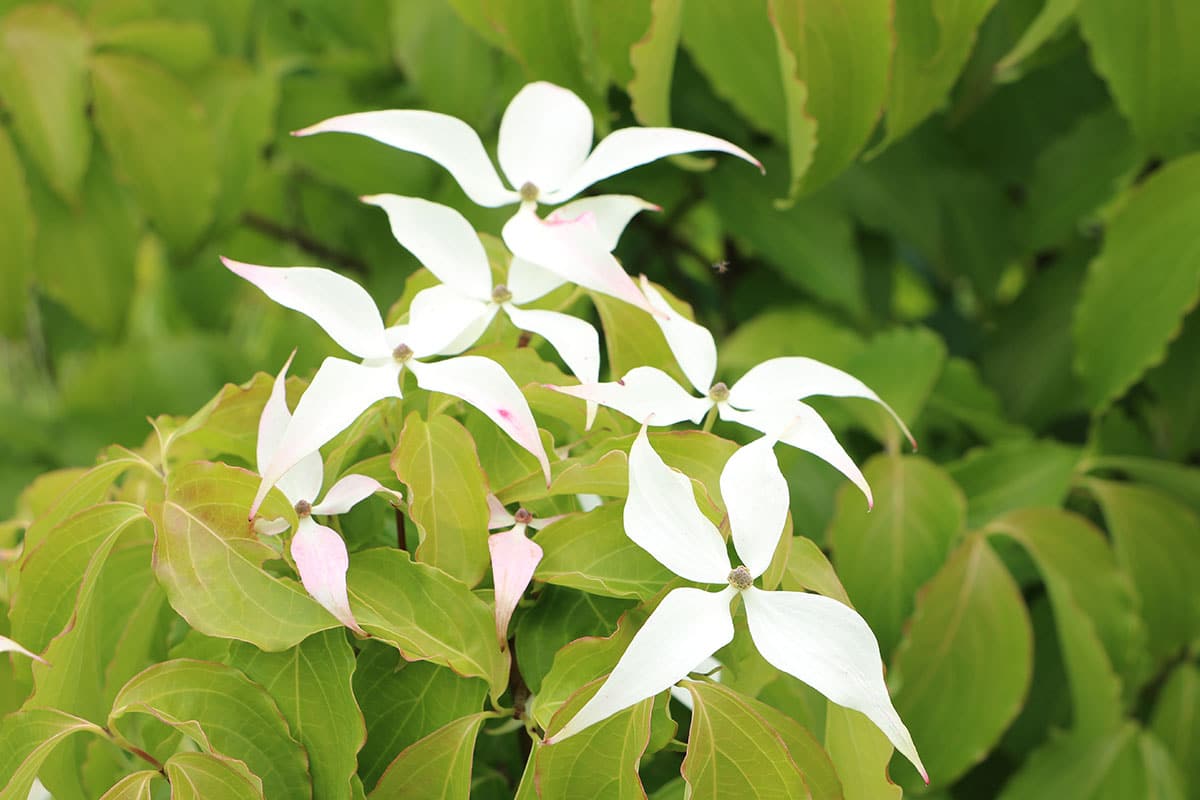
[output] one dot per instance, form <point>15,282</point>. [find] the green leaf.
<point>159,137</point>
<point>599,761</point>
<point>437,766</point>
<point>733,751</point>
<point>43,78</point>
<point>1154,536</point>
<point>1027,357</point>
<point>224,713</point>
<point>447,492</point>
<point>734,46</point>
<point>1127,763</point>
<point>1090,598</point>
<point>227,425</point>
<point>961,395</point>
<point>811,244</point>
<point>1183,483</point>
<point>933,40</point>
<point>84,255</point>
<point>584,660</point>
<point>808,568</point>
<point>182,47</point>
<point>543,37</point>
<point>403,702</point>
<point>27,738</point>
<point>135,786</point>
<point>426,615</point>
<point>1153,229</point>
<point>633,339</point>
<point>1052,17</point>
<point>559,617</point>
<point>1078,173</point>
<point>1175,421</point>
<point>43,603</point>
<point>884,556</point>
<point>197,776</point>
<point>840,54</point>
<point>16,240</point>
<point>209,560</point>
<point>1011,475</point>
<point>311,682</point>
<point>1142,54</point>
<point>652,58</point>
<point>591,552</point>
<point>969,646</point>
<point>860,752</point>
<point>1176,722</point>
<point>814,763</point>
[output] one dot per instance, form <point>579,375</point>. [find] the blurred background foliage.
<point>989,210</point>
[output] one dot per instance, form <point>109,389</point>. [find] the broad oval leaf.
<point>599,761</point>
<point>447,495</point>
<point>425,614</point>
<point>199,776</point>
<point>933,40</point>
<point>1154,536</point>
<point>225,714</point>
<point>27,738</point>
<point>885,555</point>
<point>1126,763</point>
<point>841,54</point>
<point>209,561</point>
<point>733,751</point>
<point>1153,76</point>
<point>437,766</point>
<point>1014,474</point>
<point>311,683</point>
<point>16,240</point>
<point>969,646</point>
<point>1176,721</point>
<point>1089,598</point>
<point>135,786</point>
<point>43,78</point>
<point>860,751</point>
<point>1152,235</point>
<point>158,135</point>
<point>591,552</point>
<point>403,702</point>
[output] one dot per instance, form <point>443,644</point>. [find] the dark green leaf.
<point>437,766</point>
<point>1176,722</point>
<point>16,240</point>
<point>1018,474</point>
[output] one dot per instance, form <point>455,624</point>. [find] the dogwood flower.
<point>545,151</point>
<point>318,550</point>
<point>445,243</point>
<point>341,389</point>
<point>545,147</point>
<point>767,398</point>
<point>816,639</point>
<point>514,559</point>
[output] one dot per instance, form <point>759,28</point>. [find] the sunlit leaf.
<point>437,766</point>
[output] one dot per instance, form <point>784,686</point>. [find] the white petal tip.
<point>371,199</point>
<point>309,131</point>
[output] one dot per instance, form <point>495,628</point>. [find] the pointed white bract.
<point>816,639</point>
<point>545,147</point>
<point>7,645</point>
<point>342,390</point>
<point>767,398</point>
<point>319,553</point>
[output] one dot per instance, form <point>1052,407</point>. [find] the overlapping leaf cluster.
<point>985,210</point>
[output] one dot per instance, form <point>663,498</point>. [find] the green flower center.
<point>719,393</point>
<point>529,192</point>
<point>501,294</point>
